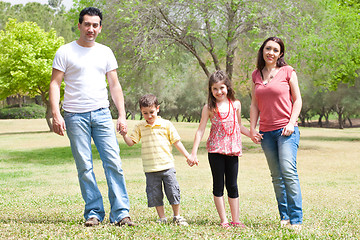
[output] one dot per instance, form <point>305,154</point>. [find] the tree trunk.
<point>320,121</point>
<point>350,122</point>
<point>48,115</point>
<point>327,119</point>
<point>128,114</point>
<point>133,115</point>
<point>340,112</point>
<point>20,101</point>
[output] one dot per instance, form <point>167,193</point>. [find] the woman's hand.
<point>288,130</point>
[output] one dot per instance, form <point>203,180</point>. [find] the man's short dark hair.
<point>148,100</point>
<point>91,11</point>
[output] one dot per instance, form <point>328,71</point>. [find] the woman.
<point>276,99</point>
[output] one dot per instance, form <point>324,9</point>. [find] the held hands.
<point>256,136</point>
<point>192,160</point>
<point>121,126</point>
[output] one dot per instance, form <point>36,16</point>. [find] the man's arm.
<point>54,99</point>
<point>118,98</point>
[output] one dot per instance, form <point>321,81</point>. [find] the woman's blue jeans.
<point>281,152</point>
<point>98,125</point>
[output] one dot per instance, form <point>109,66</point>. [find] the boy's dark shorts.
<point>154,189</point>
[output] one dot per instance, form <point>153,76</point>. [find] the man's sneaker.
<point>284,223</point>
<point>126,221</point>
<point>91,222</point>
<point>180,221</point>
<point>295,227</point>
<point>161,221</point>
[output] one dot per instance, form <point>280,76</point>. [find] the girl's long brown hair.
<point>216,77</point>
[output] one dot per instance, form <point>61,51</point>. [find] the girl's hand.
<point>288,130</point>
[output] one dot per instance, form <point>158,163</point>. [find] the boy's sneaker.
<point>161,221</point>
<point>180,221</point>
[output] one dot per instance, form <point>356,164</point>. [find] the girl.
<point>223,145</point>
<point>277,100</point>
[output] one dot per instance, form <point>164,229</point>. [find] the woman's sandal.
<point>238,224</point>
<point>225,225</point>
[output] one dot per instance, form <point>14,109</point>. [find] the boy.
<point>157,136</point>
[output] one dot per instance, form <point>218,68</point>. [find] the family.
<point>85,65</point>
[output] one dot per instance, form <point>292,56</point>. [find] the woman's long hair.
<point>216,77</point>
<point>260,59</point>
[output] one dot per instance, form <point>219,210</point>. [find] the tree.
<point>217,34</point>
<point>332,46</point>
<point>225,34</point>
<point>209,30</point>
<point>26,56</point>
<point>345,101</point>
<point>46,16</point>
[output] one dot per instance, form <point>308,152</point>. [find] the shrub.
<point>25,112</point>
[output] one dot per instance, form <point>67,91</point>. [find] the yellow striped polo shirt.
<point>156,145</point>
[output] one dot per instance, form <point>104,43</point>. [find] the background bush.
<point>25,112</point>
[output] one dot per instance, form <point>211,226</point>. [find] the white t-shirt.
<point>84,75</point>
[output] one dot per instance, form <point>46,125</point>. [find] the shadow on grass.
<point>246,147</point>
<point>59,155</point>
<point>331,139</point>
<point>41,220</point>
<point>22,133</point>
<point>63,155</point>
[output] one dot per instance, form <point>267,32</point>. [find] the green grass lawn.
<point>40,195</point>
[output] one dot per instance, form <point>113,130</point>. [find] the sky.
<point>67,3</point>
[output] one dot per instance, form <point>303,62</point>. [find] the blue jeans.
<point>81,127</point>
<point>280,152</point>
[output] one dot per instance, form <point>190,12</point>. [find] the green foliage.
<point>32,111</point>
<point>162,44</point>
<point>46,16</point>
<point>209,31</point>
<point>26,56</point>
<point>332,48</point>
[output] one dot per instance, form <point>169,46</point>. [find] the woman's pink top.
<point>274,99</point>
<point>225,135</point>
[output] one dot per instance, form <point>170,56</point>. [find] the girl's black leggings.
<point>224,170</point>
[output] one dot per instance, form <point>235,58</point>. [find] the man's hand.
<point>59,125</point>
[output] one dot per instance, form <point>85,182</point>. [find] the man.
<point>83,64</point>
